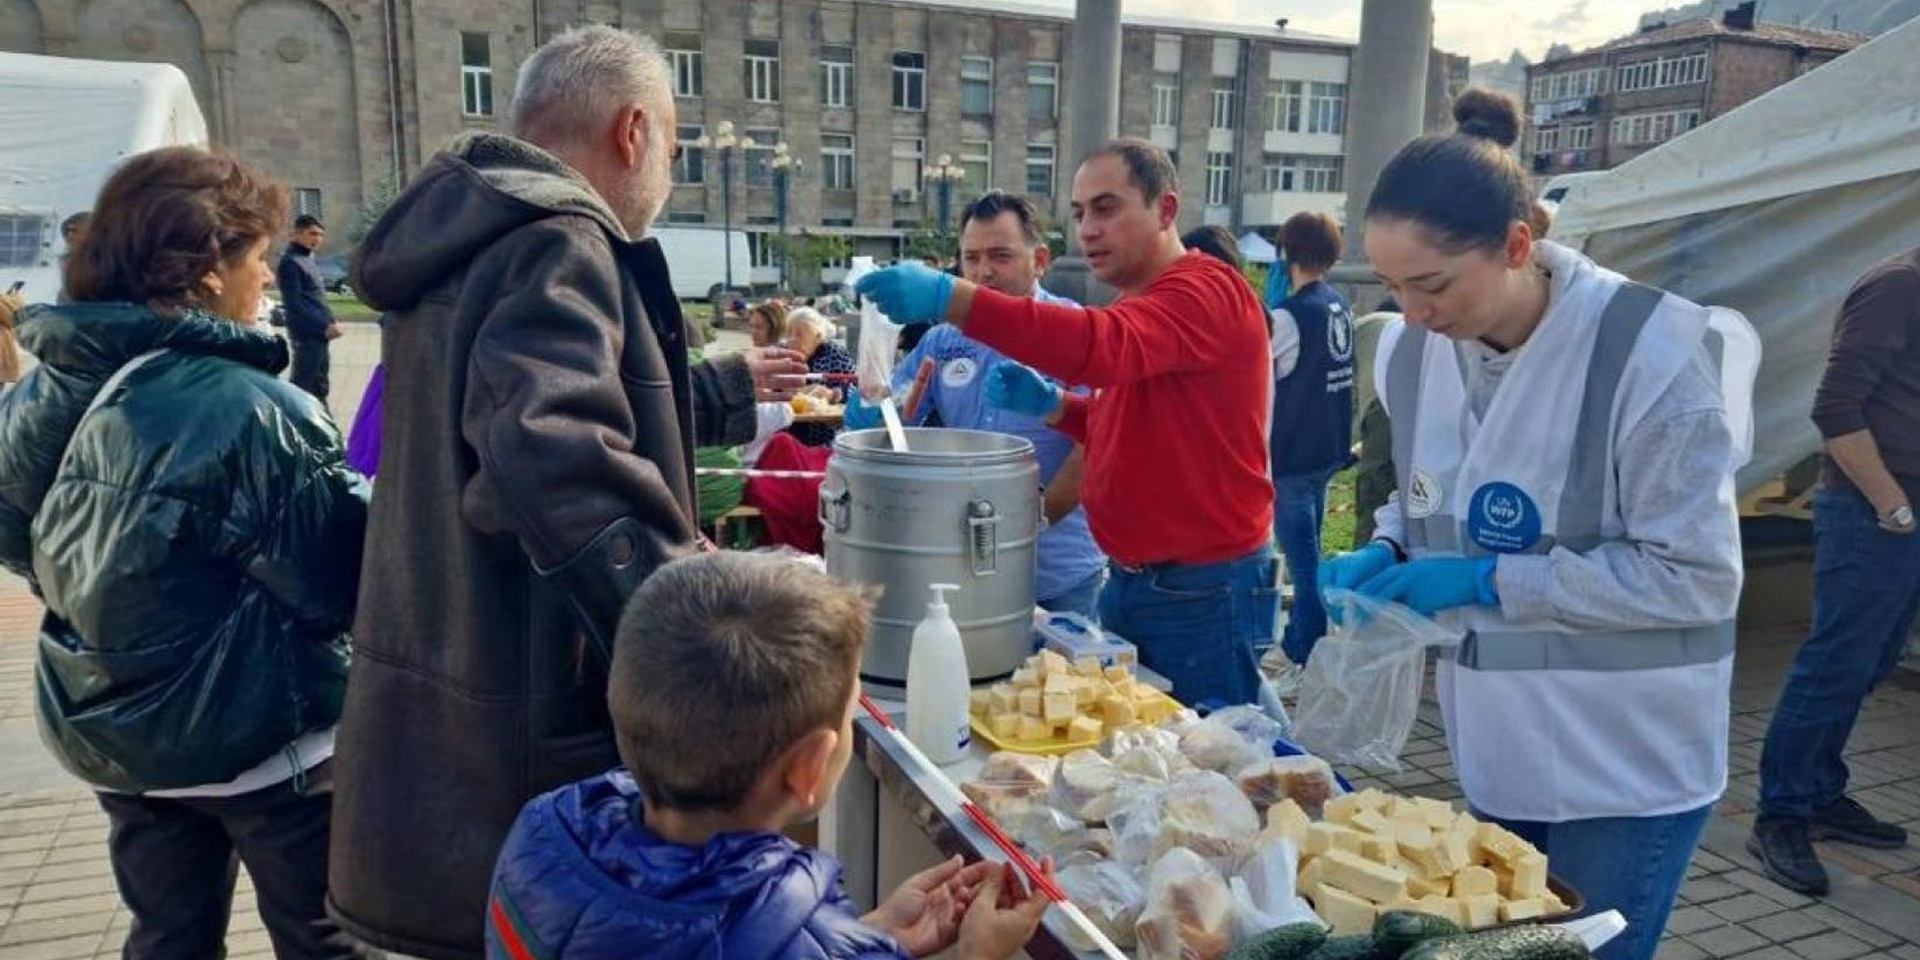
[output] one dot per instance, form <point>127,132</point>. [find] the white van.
<point>697,257</point>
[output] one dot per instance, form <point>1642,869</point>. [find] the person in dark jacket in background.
<point>189,521</point>
<point>733,694</point>
<point>536,464</point>
<point>1312,427</point>
<point>1214,241</point>
<point>310,323</point>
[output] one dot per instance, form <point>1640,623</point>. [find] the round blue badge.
<point>1502,519</point>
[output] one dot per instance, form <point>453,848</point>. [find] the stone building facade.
<point>344,98</point>
<point>1599,108</point>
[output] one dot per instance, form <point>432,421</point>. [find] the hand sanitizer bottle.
<point>938,684</point>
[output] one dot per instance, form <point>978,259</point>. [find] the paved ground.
<point>57,900</point>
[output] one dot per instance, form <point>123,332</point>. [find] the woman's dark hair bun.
<point>1489,115</point>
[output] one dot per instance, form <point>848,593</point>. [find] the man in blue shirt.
<point>1001,248</point>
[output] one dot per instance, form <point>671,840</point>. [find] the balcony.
<point>1313,144</point>
<point>1273,209</point>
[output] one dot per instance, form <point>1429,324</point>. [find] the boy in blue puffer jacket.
<point>732,694</point>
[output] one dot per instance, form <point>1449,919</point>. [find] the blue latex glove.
<point>1349,570</point>
<point>860,415</point>
<point>911,294</point>
<point>1021,389</point>
<point>1437,583</point>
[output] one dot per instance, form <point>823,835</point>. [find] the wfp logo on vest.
<point>959,372</point>
<point>1503,519</point>
<point>1340,335</point>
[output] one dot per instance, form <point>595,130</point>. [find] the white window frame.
<point>1224,104</point>
<point>1321,174</point>
<point>1580,136</point>
<point>836,76</point>
<point>1041,156</point>
<point>976,156</point>
<point>756,170</point>
<point>761,252</point>
<point>1302,173</point>
<point>1219,179</point>
<point>1327,108</point>
<point>476,79</point>
<point>1287,106</point>
<point>1166,104</point>
<point>691,168</point>
<point>1655,127</point>
<point>909,82</point>
<point>1546,139</point>
<point>917,153</point>
<point>689,70</point>
<point>763,73</point>
<point>837,166</point>
<point>1044,73</point>
<point>976,75</point>
<point>1676,71</point>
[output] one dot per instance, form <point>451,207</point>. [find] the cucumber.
<point>1531,942</point>
<point>1397,931</point>
<point>1359,946</point>
<point>1295,941</point>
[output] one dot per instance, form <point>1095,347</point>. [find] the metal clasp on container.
<point>836,509</point>
<point>983,532</point>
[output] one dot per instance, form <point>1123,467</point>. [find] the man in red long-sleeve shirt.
<point>1176,487</point>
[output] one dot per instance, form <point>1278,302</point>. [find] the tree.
<point>924,241</point>
<point>1053,233</point>
<point>373,207</point>
<point>804,253</point>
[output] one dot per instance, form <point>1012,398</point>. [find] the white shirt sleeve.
<point>1285,345</point>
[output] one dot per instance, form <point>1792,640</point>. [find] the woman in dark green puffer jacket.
<point>190,523</point>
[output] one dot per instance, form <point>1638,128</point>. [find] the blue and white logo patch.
<point>1340,335</point>
<point>1502,519</point>
<point>959,372</point>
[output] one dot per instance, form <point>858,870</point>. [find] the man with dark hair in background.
<point>310,323</point>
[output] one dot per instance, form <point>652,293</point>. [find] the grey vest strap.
<point>1404,372</point>
<point>1597,652</point>
<point>1584,496</point>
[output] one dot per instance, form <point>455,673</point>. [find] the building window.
<point>909,154</point>
<point>1571,85</point>
<point>1224,106</point>
<point>690,163</point>
<point>763,71</point>
<point>836,76</point>
<point>306,202</point>
<point>21,239</point>
<point>1219,178</point>
<point>976,86</point>
<point>1166,53</point>
<point>1289,173</point>
<point>686,216</point>
<point>1651,128</point>
<point>1665,72</point>
<point>476,75</point>
<point>1546,140</point>
<point>1040,169</point>
<point>689,64</point>
<point>1166,104</point>
<point>760,249</point>
<point>1043,89</point>
<point>836,161</point>
<point>1327,108</point>
<point>1537,92</point>
<point>910,81</point>
<point>759,172</point>
<point>1287,107</point>
<point>976,159</point>
<point>1580,137</point>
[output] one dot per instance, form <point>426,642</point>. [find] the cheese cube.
<point>1288,820</point>
<point>1456,845</point>
<point>1372,799</point>
<point>1085,695</point>
<point>1497,844</point>
<point>1411,834</point>
<point>1529,877</point>
<point>1482,910</point>
<point>1341,809</point>
<point>1025,677</point>
<point>1344,912</point>
<point>1003,699</point>
<point>1087,666</point>
<point>1474,882</point>
<point>1445,907</point>
<point>1034,728</point>
<point>979,703</point>
<point>1439,818</point>
<point>1422,886</point>
<point>1057,707</point>
<point>1058,683</point>
<point>1083,728</point>
<point>1116,673</point>
<point>1553,904</point>
<point>1371,821</point>
<point>1006,726</point>
<point>1513,910</point>
<point>1118,712</point>
<point>1052,664</point>
<point>1376,882</point>
<point>1320,837</point>
<point>1379,849</point>
<point>1404,808</point>
<point>1313,873</point>
<point>1030,701</point>
<point>1429,856</point>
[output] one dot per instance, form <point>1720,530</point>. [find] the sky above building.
<point>1481,29</point>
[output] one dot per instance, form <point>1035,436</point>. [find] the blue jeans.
<point>1083,598</point>
<point>1866,584</point>
<point>1630,864</point>
<point>1299,508</point>
<point>1197,624</point>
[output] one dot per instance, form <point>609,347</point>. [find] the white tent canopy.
<point>69,122</point>
<point>1774,210</point>
<point>1255,248</point>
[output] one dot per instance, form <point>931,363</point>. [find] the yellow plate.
<point>1057,745</point>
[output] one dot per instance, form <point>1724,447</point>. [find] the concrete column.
<point>1093,117</point>
<point>1387,105</point>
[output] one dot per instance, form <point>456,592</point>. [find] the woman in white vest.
<point>1565,457</point>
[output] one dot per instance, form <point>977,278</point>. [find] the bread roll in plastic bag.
<point>1111,895</point>
<point>1189,910</point>
<point>1206,813</point>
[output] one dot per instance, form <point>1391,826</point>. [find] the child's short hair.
<point>1311,241</point>
<point>722,661</point>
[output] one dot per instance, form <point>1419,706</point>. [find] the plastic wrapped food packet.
<point>1086,786</point>
<point>1135,822</point>
<point>1110,895</point>
<point>1307,781</point>
<point>1206,813</point>
<point>1228,740</point>
<point>1188,913</point>
<point>1262,883</point>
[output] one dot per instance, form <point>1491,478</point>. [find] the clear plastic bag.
<point>1135,822</point>
<point>1086,786</point>
<point>1206,813</point>
<point>1263,889</point>
<point>1229,740</point>
<point>879,342</point>
<point>1361,690</point>
<point>1110,895</point>
<point>1189,911</point>
<point>1307,781</point>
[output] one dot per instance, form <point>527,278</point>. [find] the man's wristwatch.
<point>1901,516</point>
